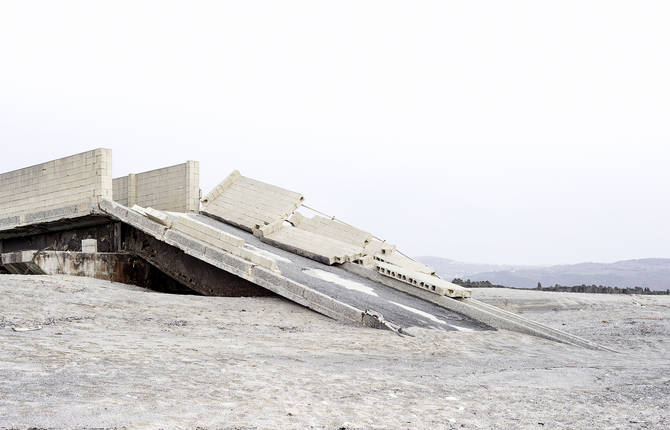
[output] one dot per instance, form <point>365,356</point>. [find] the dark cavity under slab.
<point>198,275</point>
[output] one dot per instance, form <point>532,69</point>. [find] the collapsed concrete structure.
<point>245,238</point>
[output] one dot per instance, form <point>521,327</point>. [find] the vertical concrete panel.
<point>174,188</point>
<point>58,183</point>
<point>132,190</point>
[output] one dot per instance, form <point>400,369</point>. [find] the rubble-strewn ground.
<point>112,355</point>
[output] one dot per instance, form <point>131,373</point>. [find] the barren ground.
<point>111,355</point>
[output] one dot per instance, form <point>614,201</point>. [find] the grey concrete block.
<point>89,245</point>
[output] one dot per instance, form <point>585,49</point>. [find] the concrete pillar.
<point>132,190</point>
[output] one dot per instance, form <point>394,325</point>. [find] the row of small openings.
<point>406,279</point>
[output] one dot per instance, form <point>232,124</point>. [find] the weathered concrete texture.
<point>345,296</point>
<point>66,182</point>
<point>312,245</point>
<point>331,228</point>
<point>67,236</point>
<point>158,216</point>
<point>396,258</point>
<point>292,289</point>
<point>477,310</point>
<point>375,247</point>
<point>220,239</point>
<point>250,204</point>
<point>21,263</point>
<point>421,280</point>
<point>207,234</point>
<point>175,188</point>
<point>115,267</point>
<point>30,219</point>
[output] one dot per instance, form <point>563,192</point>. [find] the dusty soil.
<point>99,354</point>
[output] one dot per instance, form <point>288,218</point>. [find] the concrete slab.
<point>392,304</point>
<point>320,248</point>
<point>331,228</point>
<point>250,204</point>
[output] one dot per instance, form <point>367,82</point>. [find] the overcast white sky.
<point>503,132</point>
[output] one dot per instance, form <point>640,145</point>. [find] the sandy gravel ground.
<point>98,354</point>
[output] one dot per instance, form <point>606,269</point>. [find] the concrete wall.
<point>120,190</point>
<point>55,184</point>
<point>174,188</point>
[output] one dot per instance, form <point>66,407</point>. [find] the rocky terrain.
<point>85,353</point>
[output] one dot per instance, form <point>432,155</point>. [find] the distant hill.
<point>652,273</point>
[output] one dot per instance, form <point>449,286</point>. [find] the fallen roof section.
<point>250,204</point>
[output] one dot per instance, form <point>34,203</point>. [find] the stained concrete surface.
<point>106,355</point>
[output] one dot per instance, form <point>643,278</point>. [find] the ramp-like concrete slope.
<point>329,290</point>
<point>396,306</point>
<point>263,210</point>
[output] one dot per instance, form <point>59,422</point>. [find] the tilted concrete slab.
<point>320,248</point>
<point>206,233</point>
<point>158,216</point>
<point>331,228</point>
<point>329,290</point>
<point>250,204</point>
<point>396,307</point>
<point>192,228</point>
<point>480,311</point>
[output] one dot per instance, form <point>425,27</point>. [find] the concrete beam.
<point>421,280</point>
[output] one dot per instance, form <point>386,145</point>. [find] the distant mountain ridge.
<point>652,273</point>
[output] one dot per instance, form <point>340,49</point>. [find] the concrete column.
<point>192,186</point>
<point>132,190</point>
